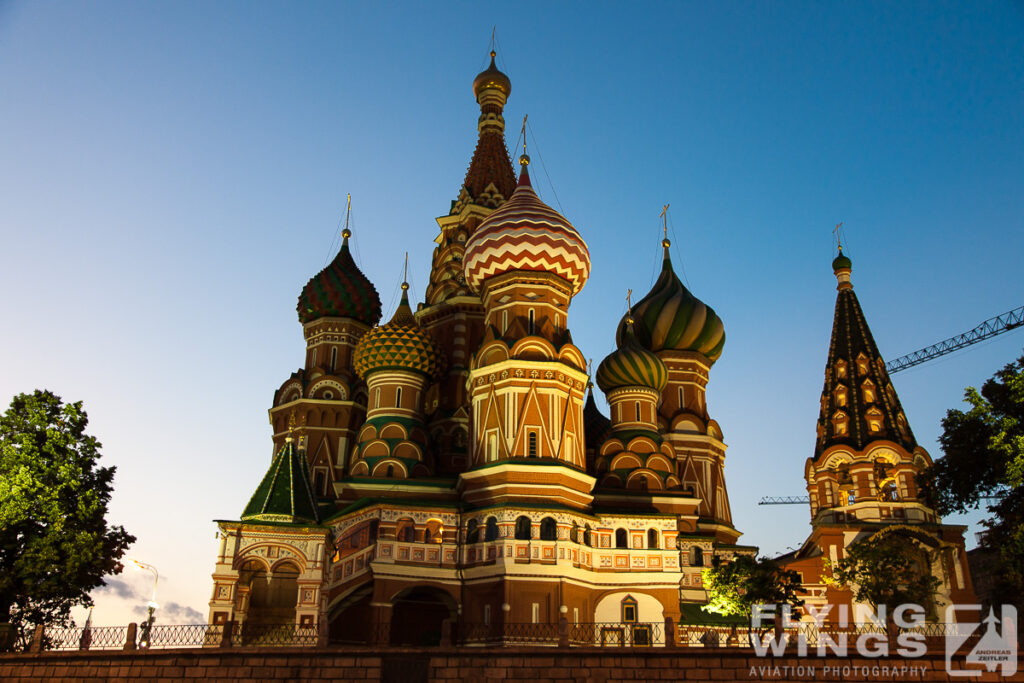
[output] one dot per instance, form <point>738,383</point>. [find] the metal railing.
<point>92,638</point>
<point>564,634</point>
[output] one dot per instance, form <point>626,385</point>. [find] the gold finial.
<point>524,160</point>
<point>346,233</point>
<point>291,428</point>
<point>405,273</point>
<point>664,218</point>
<point>629,307</point>
<point>839,243</point>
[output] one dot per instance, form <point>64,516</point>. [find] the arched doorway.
<point>416,616</point>
<point>273,595</point>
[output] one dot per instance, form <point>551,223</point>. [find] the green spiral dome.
<point>631,365</point>
<point>670,318</point>
<point>399,345</point>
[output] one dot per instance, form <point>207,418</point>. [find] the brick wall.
<point>464,664</point>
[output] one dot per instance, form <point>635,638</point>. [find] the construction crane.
<point>990,328</point>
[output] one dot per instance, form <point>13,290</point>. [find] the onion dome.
<point>399,345</point>
<point>595,425</point>
<point>491,77</point>
<point>340,290</point>
<point>842,261</point>
<point>526,234</point>
<point>631,365</point>
<point>670,318</point>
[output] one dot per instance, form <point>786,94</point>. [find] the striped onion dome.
<point>526,234</point>
<point>670,318</point>
<point>631,365</point>
<point>399,345</point>
<point>340,290</point>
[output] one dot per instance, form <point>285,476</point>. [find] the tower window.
<point>868,389</point>
<point>637,406</point>
<point>621,538</point>
<point>652,539</point>
<point>391,471</point>
<point>586,536</point>
<point>531,322</point>
<point>491,529</point>
<point>698,557</point>
<point>840,396</point>
<point>548,529</point>
<point>334,357</point>
<point>472,531</point>
<point>320,482</point>
<point>376,398</point>
<point>398,397</point>
<point>504,322</point>
<point>629,610</point>
<point>523,528</point>
<point>841,368</point>
<point>312,361</point>
<point>531,448</point>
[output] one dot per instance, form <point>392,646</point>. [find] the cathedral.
<point>451,466</point>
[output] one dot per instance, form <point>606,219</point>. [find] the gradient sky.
<point>171,174</point>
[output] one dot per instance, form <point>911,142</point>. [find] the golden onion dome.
<point>491,77</point>
<point>399,345</point>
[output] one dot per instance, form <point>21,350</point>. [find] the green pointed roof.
<point>285,494</point>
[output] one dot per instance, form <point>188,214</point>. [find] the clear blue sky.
<point>171,174</point>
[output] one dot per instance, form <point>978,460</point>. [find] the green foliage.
<point>984,456</point>
<point>734,587</point>
<point>891,567</point>
<point>55,544</point>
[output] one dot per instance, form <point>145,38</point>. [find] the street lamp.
<point>147,626</point>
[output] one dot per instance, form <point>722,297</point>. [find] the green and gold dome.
<point>631,365</point>
<point>670,318</point>
<point>340,291</point>
<point>399,345</point>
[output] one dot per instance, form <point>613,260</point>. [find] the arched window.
<point>398,397</point>
<point>621,538</point>
<point>548,529</point>
<point>637,406</point>
<point>523,528</point>
<point>697,559</point>
<point>374,530</point>
<point>472,532</point>
<point>531,449</point>
<point>531,322</point>
<point>405,530</point>
<point>320,482</point>
<point>574,533</point>
<point>391,471</point>
<point>334,357</point>
<point>434,531</point>
<point>491,529</point>
<point>652,539</point>
<point>586,536</point>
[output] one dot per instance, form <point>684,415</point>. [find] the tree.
<point>892,567</point>
<point>55,544</point>
<point>734,587</point>
<point>983,455</point>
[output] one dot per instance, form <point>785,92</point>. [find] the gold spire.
<point>835,231</point>
<point>664,218</point>
<point>524,160</point>
<point>346,233</point>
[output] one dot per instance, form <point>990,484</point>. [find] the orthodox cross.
<point>348,209</point>
<point>524,132</point>
<point>836,231</point>
<point>664,218</point>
